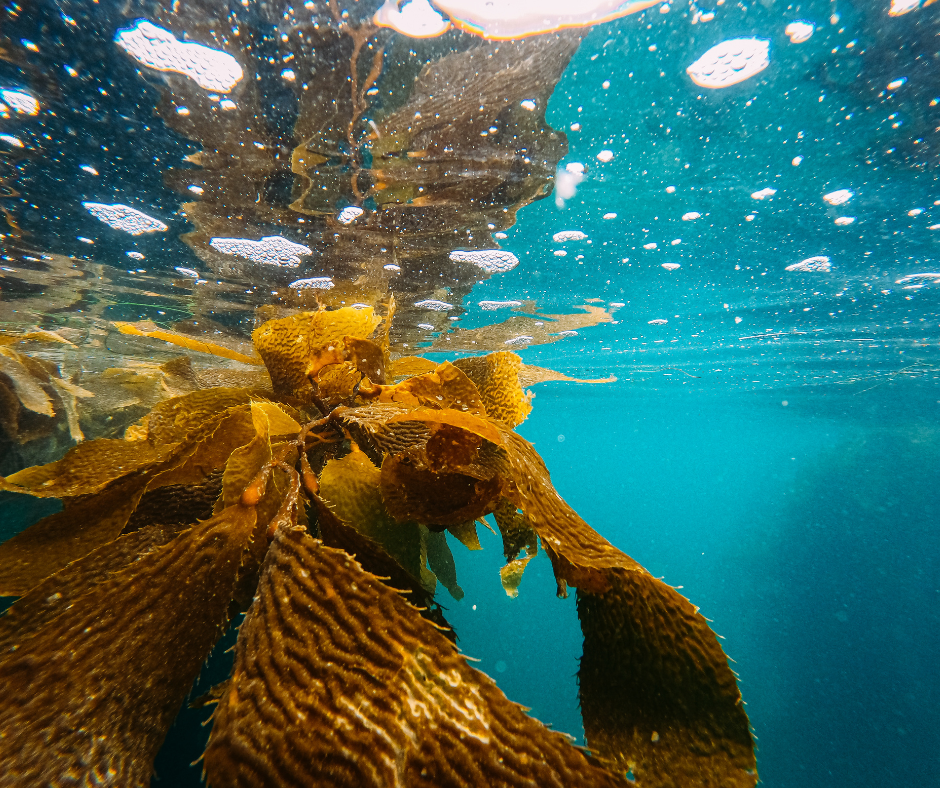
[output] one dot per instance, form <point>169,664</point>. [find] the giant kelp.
<point>322,501</point>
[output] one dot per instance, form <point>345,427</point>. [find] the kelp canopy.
<point>302,461</point>
<point>322,502</point>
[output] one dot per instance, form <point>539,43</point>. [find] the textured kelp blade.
<point>206,450</point>
<point>446,387</point>
<point>172,420</point>
<point>86,468</point>
<point>292,346</point>
<point>351,486</point>
<point>152,330</point>
<point>408,366</point>
<point>496,377</point>
<point>466,534</point>
<point>515,529</point>
<point>465,421</point>
<point>88,697</point>
<point>244,464</point>
<point>338,682</point>
<point>372,557</point>
<point>657,694</point>
<point>413,492</point>
<point>84,525</point>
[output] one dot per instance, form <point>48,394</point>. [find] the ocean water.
<point>762,261</point>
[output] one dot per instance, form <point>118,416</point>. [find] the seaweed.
<point>329,496</point>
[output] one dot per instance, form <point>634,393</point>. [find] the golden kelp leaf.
<point>48,545</point>
<point>369,426</point>
<point>172,420</point>
<point>280,422</point>
<point>409,366</point>
<point>374,559</point>
<point>337,383</point>
<point>352,488</point>
<point>27,388</point>
<point>205,450</point>
<point>446,387</point>
<point>88,697</point>
<point>410,712</point>
<point>245,462</point>
<point>511,575</point>
<point>148,329</point>
<point>450,448</point>
<point>367,357</point>
<point>55,594</point>
<point>657,694</point>
<point>86,468</point>
<point>176,505</point>
<point>656,691</point>
<point>466,422</point>
<point>496,377</point>
<point>36,335</point>
<point>412,492</point>
<point>466,534</point>
<point>515,530</point>
<point>91,521</point>
<point>529,376</point>
<point>289,345</point>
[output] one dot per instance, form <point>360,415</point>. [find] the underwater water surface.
<point>757,264</point>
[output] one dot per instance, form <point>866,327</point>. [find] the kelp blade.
<point>90,691</point>
<point>657,694</point>
<point>338,682</point>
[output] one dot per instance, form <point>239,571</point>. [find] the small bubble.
<point>561,438</point>
<point>501,666</point>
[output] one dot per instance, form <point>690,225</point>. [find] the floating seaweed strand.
<point>320,504</point>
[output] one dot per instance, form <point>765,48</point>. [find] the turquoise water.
<point>772,442</point>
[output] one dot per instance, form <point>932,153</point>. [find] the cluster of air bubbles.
<point>730,62</point>
<point>314,283</point>
<point>490,260</point>
<point>568,235</point>
<point>159,49</point>
<point>434,305</point>
<point>125,218</point>
<point>818,264</point>
<point>567,180</point>
<point>493,305</point>
<point>270,250</point>
<point>20,101</point>
<point>799,31</point>
<point>349,214</point>
<point>901,7</point>
<point>763,194</point>
<point>839,196</point>
<point>416,18</point>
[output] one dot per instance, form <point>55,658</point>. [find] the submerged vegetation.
<point>319,502</point>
